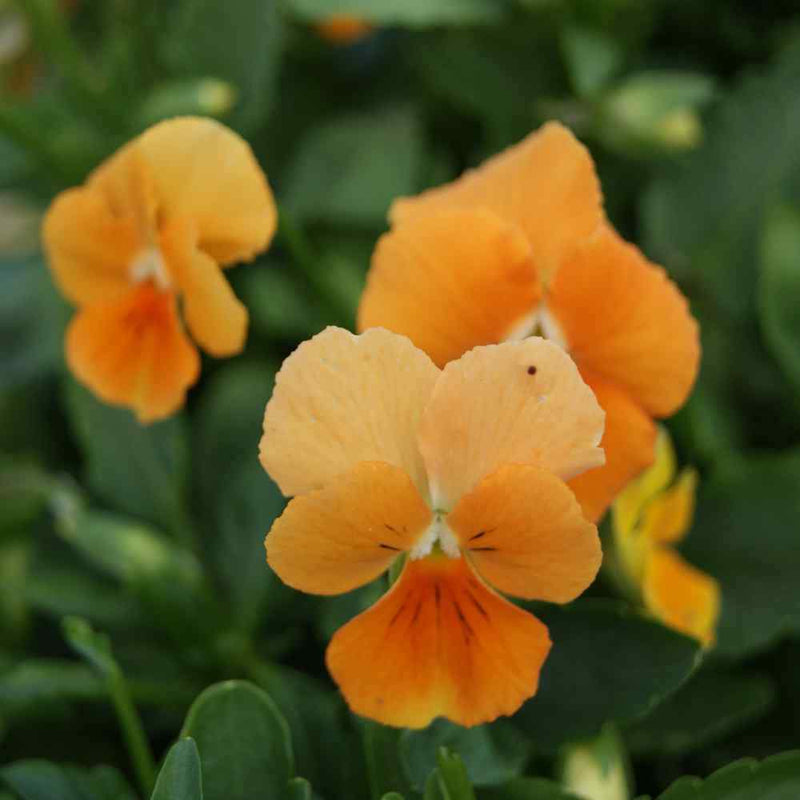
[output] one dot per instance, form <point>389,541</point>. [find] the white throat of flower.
<point>539,322</point>
<point>437,537</point>
<point>149,265</point>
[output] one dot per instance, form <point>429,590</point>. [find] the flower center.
<point>149,265</point>
<point>437,539</point>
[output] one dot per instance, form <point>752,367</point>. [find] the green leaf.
<point>392,796</point>
<point>753,507</point>
<point>299,789</point>
<point>779,288</point>
<point>607,663</point>
<point>135,468</point>
<point>180,777</point>
<point>239,42</point>
<point>775,778</point>
<point>493,754</point>
<point>528,789</point>
<point>450,780</point>
<point>384,767</point>
<point>94,647</point>
<point>712,704</point>
<point>411,13</point>
<point>43,780</point>
<point>592,59</point>
<point>363,160</point>
<point>243,741</point>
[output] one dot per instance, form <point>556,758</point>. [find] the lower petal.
<point>215,317</point>
<point>439,643</point>
<point>629,443</point>
<point>682,596</point>
<point>134,353</point>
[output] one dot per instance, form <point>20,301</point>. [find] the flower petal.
<point>215,317</point>
<point>545,184</point>
<point>519,402</point>
<point>206,172</point>
<point>681,595</point>
<point>439,643</point>
<point>667,517</point>
<point>450,280</point>
<point>526,535</point>
<point>340,399</point>
<point>133,352</point>
<point>628,441</point>
<point>623,319</point>
<point>338,538</point>
<point>89,249</point>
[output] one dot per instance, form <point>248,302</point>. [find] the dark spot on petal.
<point>483,549</point>
<point>478,605</point>
<point>389,547</point>
<point>531,370</point>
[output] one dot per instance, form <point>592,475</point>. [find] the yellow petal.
<point>668,516</point>
<point>525,534</point>
<point>341,537</point>
<point>514,403</point>
<point>341,399</point>
<point>450,280</point>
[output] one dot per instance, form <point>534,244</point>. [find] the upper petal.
<point>681,595</point>
<point>338,538</point>
<point>628,441</point>
<point>206,172</point>
<point>526,535</point>
<point>439,643</point>
<point>623,319</point>
<point>89,248</point>
<point>215,317</point>
<point>450,280</point>
<point>519,402</point>
<point>546,184</point>
<point>340,399</point>
<point>133,352</point>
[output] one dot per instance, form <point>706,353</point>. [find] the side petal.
<point>338,538</point>
<point>546,184</point>
<point>681,595</point>
<point>215,317</point>
<point>526,535</point>
<point>623,319</point>
<point>520,402</point>
<point>450,280</point>
<point>133,352</point>
<point>89,249</point>
<point>340,399</point>
<point>206,172</point>
<point>628,441</point>
<point>439,643</point>
<point>668,516</point>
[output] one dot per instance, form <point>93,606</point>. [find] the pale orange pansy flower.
<point>460,472</point>
<point>151,227</point>
<point>520,246</point>
<point>649,518</point>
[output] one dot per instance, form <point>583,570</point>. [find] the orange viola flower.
<point>343,28</point>
<point>459,472</point>
<point>153,225</point>
<point>651,515</point>
<point>520,246</point>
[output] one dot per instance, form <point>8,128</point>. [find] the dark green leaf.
<point>384,766</point>
<point>299,789</point>
<point>592,59</point>
<point>775,778</point>
<point>710,705</point>
<point>243,742</point>
<point>363,160</point>
<point>779,288</point>
<point>753,506</point>
<point>180,777</point>
<point>43,780</point>
<point>239,42</point>
<point>607,663</point>
<point>413,13</point>
<point>450,780</point>
<point>492,754</point>
<point>528,789</point>
<point>135,468</point>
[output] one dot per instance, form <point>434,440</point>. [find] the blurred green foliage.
<point>153,536</point>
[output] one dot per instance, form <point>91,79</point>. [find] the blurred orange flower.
<point>343,28</point>
<point>460,474</point>
<point>154,225</point>
<point>520,246</point>
<point>650,516</point>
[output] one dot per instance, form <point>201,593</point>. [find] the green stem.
<point>133,732</point>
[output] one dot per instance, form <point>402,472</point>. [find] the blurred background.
<point>692,113</point>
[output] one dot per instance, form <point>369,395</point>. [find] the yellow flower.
<point>650,516</point>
